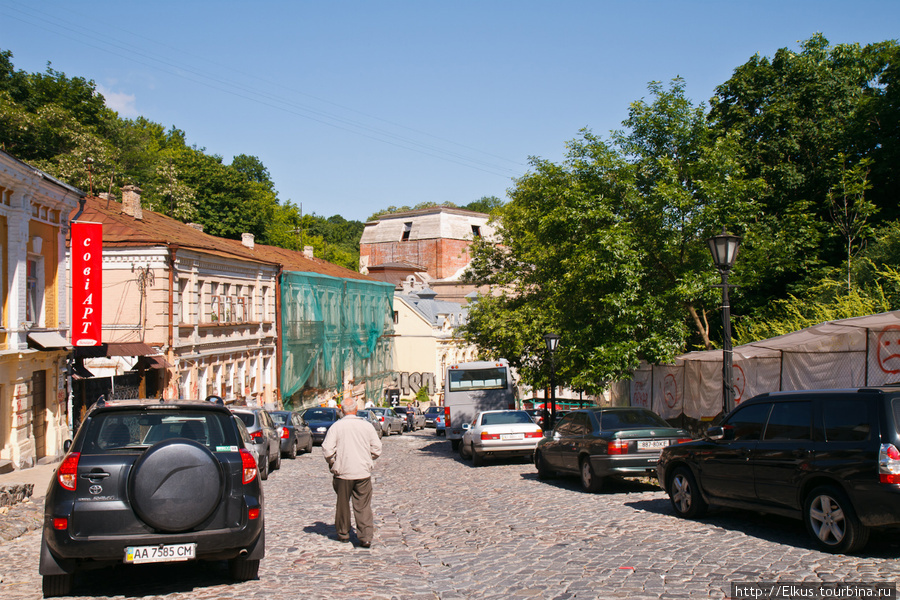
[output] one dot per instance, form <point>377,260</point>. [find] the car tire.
<point>590,482</point>
<point>264,469</point>
<point>176,485</point>
<point>309,446</point>
<point>463,450</point>
<point>277,462</point>
<point>832,522</point>
<point>292,453</point>
<point>454,445</point>
<point>58,585</point>
<point>243,569</point>
<point>684,494</point>
<point>543,469</point>
<point>477,459</point>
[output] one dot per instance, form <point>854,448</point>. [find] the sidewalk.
<point>39,476</point>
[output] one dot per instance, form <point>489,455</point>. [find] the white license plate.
<point>652,444</point>
<point>162,553</point>
<point>512,436</point>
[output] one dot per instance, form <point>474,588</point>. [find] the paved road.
<point>447,531</point>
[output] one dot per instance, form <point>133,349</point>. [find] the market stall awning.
<point>48,340</point>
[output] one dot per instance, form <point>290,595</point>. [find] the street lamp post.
<point>724,248</point>
<point>552,341</point>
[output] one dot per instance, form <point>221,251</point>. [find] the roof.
<point>435,311</point>
<point>155,229</point>
<point>429,211</point>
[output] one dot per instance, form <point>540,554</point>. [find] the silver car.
<point>265,437</point>
<point>372,418</point>
<point>391,422</point>
<point>499,433</point>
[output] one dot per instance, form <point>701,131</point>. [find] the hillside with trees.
<point>797,153</point>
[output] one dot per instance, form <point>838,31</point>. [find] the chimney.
<point>196,226</point>
<point>247,239</point>
<point>308,252</point>
<point>131,201</point>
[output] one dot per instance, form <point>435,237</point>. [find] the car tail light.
<point>683,440</point>
<point>889,464</point>
<point>285,434</point>
<point>253,514</point>
<point>249,466</point>
<point>534,434</point>
<point>618,447</point>
<point>447,416</point>
<point>68,471</point>
<point>60,523</point>
<point>256,435</point>
<point>489,436</point>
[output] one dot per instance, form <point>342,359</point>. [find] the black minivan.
<point>828,457</point>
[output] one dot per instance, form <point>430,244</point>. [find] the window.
<point>34,301</point>
<point>183,304</point>
<point>477,379</point>
<point>846,420</point>
<point>747,423</point>
<point>407,229</point>
<point>790,421</point>
<point>396,317</point>
<point>476,231</point>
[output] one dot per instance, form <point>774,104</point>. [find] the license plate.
<point>512,436</point>
<point>652,444</point>
<point>161,553</point>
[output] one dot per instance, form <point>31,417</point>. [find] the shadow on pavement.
<point>151,580</point>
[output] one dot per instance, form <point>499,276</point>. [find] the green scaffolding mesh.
<point>334,331</point>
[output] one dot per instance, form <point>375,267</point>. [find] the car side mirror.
<point>556,435</point>
<point>66,445</point>
<point>466,426</point>
<point>715,433</point>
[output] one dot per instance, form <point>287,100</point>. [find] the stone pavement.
<point>448,531</point>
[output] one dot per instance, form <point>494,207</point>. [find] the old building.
<point>34,323</point>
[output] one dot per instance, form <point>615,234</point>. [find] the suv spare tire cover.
<point>176,485</point>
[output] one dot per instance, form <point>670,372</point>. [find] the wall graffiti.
<point>889,350</point>
<point>410,383</point>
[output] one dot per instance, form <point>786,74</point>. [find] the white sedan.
<point>499,433</point>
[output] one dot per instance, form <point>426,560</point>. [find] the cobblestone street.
<point>446,530</point>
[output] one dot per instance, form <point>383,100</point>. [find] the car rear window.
<point>314,414</point>
<point>248,418</point>
<point>280,418</point>
<point>124,430</point>
<point>506,418</point>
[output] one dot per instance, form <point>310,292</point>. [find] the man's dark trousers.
<point>360,492</point>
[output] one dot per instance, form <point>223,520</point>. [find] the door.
<point>725,469</point>
<point>783,454</point>
<point>39,412</point>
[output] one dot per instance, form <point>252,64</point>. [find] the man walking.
<point>351,447</point>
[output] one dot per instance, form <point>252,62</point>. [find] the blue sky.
<point>355,106</point>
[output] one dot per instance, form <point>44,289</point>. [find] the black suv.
<point>149,481</point>
<point>828,457</point>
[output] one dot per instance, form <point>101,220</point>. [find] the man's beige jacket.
<point>351,447</point>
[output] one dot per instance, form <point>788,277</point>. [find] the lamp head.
<point>724,249</point>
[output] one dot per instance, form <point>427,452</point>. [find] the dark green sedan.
<point>595,443</point>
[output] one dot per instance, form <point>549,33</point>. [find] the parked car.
<point>264,435</point>
<point>595,443</point>
<point>390,421</point>
<point>146,481</point>
<point>499,433</point>
<point>368,415</point>
<point>430,413</point>
<point>294,433</point>
<point>413,416</point>
<point>320,419</point>
<point>828,457</point>
<point>440,425</point>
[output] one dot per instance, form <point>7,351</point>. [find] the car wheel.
<point>454,445</point>
<point>684,493</point>
<point>58,585</point>
<point>309,445</point>
<point>477,459</point>
<point>292,453</point>
<point>243,569</point>
<point>264,468</point>
<point>463,450</point>
<point>589,480</point>
<point>831,521</point>
<point>175,485</point>
<point>543,469</point>
<point>277,460</point>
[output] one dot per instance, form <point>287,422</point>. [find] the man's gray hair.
<point>349,404</point>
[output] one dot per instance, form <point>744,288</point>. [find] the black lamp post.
<point>552,341</point>
<point>724,248</point>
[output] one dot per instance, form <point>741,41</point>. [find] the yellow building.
<point>34,324</point>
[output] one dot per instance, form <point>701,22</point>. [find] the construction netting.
<point>335,333</point>
<point>863,351</point>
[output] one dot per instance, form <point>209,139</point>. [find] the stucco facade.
<point>34,217</point>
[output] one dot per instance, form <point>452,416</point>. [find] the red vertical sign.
<point>87,280</point>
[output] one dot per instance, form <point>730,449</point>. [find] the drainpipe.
<point>173,250</point>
